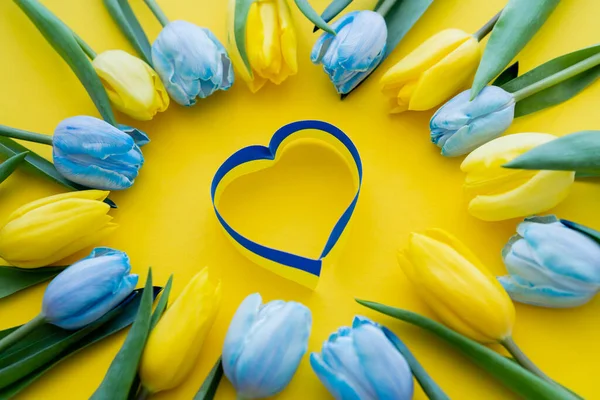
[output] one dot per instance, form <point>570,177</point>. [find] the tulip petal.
<point>84,172</point>
<point>335,383</point>
<point>358,51</point>
<point>543,296</point>
<point>140,138</point>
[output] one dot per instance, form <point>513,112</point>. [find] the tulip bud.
<point>361,363</point>
<point>191,62</point>
<point>501,193</point>
<point>50,229</point>
<point>551,264</point>
<point>461,125</point>
<point>354,52</point>
<point>133,86</point>
<point>264,346</point>
<point>433,72</point>
<point>93,153</point>
<point>175,343</point>
<point>88,289</point>
<point>270,44</point>
<point>457,286</point>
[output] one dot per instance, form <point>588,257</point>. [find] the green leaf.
<point>313,16</point>
<point>38,164</point>
<point>64,42</point>
<point>162,303</point>
<point>575,152</point>
<point>510,374</point>
<point>400,19</point>
<point>26,361</point>
<point>122,371</point>
<point>518,23</point>
<point>507,75</point>
<point>123,15</point>
<point>13,280</point>
<point>209,387</point>
<point>557,93</point>
<point>431,389</point>
<point>332,10</point>
<point>240,17</point>
<point>10,165</point>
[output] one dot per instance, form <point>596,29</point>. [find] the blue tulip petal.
<point>543,296</point>
<point>92,175</point>
<point>166,70</point>
<point>240,325</point>
<point>335,384</point>
<point>272,351</point>
<point>383,364</point>
<point>357,50</point>
<point>140,138</point>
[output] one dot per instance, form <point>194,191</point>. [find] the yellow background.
<point>167,219</point>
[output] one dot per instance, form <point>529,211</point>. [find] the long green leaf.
<point>332,10</point>
<point>518,23</point>
<point>26,361</point>
<point>509,373</point>
<point>400,19</point>
<point>310,13</point>
<point>431,389</point>
<point>578,152</point>
<point>162,303</point>
<point>123,15</point>
<point>507,75</point>
<point>13,280</point>
<point>38,164</point>
<point>210,385</point>
<point>559,92</point>
<point>10,165</point>
<point>122,371</point>
<point>240,17</point>
<point>63,41</point>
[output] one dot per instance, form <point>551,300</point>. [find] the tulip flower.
<point>354,52</point>
<point>270,44</point>
<point>82,293</point>
<point>552,263</point>
<point>461,291</point>
<point>361,363</point>
<point>461,125</point>
<point>191,62</point>
<point>175,343</point>
<point>501,193</point>
<point>436,70</point>
<point>91,152</point>
<point>264,346</point>
<point>133,86</point>
<point>53,228</point>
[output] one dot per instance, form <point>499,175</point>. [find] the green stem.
<point>21,332</point>
<point>385,7</point>
<point>85,47</point>
<point>157,11</point>
<point>487,28</point>
<point>510,345</point>
<point>144,393</point>
<point>557,78</point>
<point>15,133</point>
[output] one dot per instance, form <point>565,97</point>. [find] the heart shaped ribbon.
<point>303,270</point>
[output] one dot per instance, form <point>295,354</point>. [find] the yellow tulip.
<point>50,229</point>
<point>133,87</point>
<point>174,344</point>
<point>457,286</point>
<point>439,68</point>
<point>501,193</point>
<point>270,44</point>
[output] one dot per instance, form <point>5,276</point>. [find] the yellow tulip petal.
<point>423,57</point>
<point>406,92</point>
<point>82,194</point>
<point>175,343</point>
<point>288,40</point>
<point>541,193</point>
<point>447,77</point>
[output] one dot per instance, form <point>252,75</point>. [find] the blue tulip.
<point>88,289</point>
<point>360,363</point>
<point>551,265</point>
<point>191,62</point>
<point>264,346</point>
<point>93,153</point>
<point>356,50</point>
<point>460,126</point>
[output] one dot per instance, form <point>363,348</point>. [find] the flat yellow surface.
<point>167,219</point>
